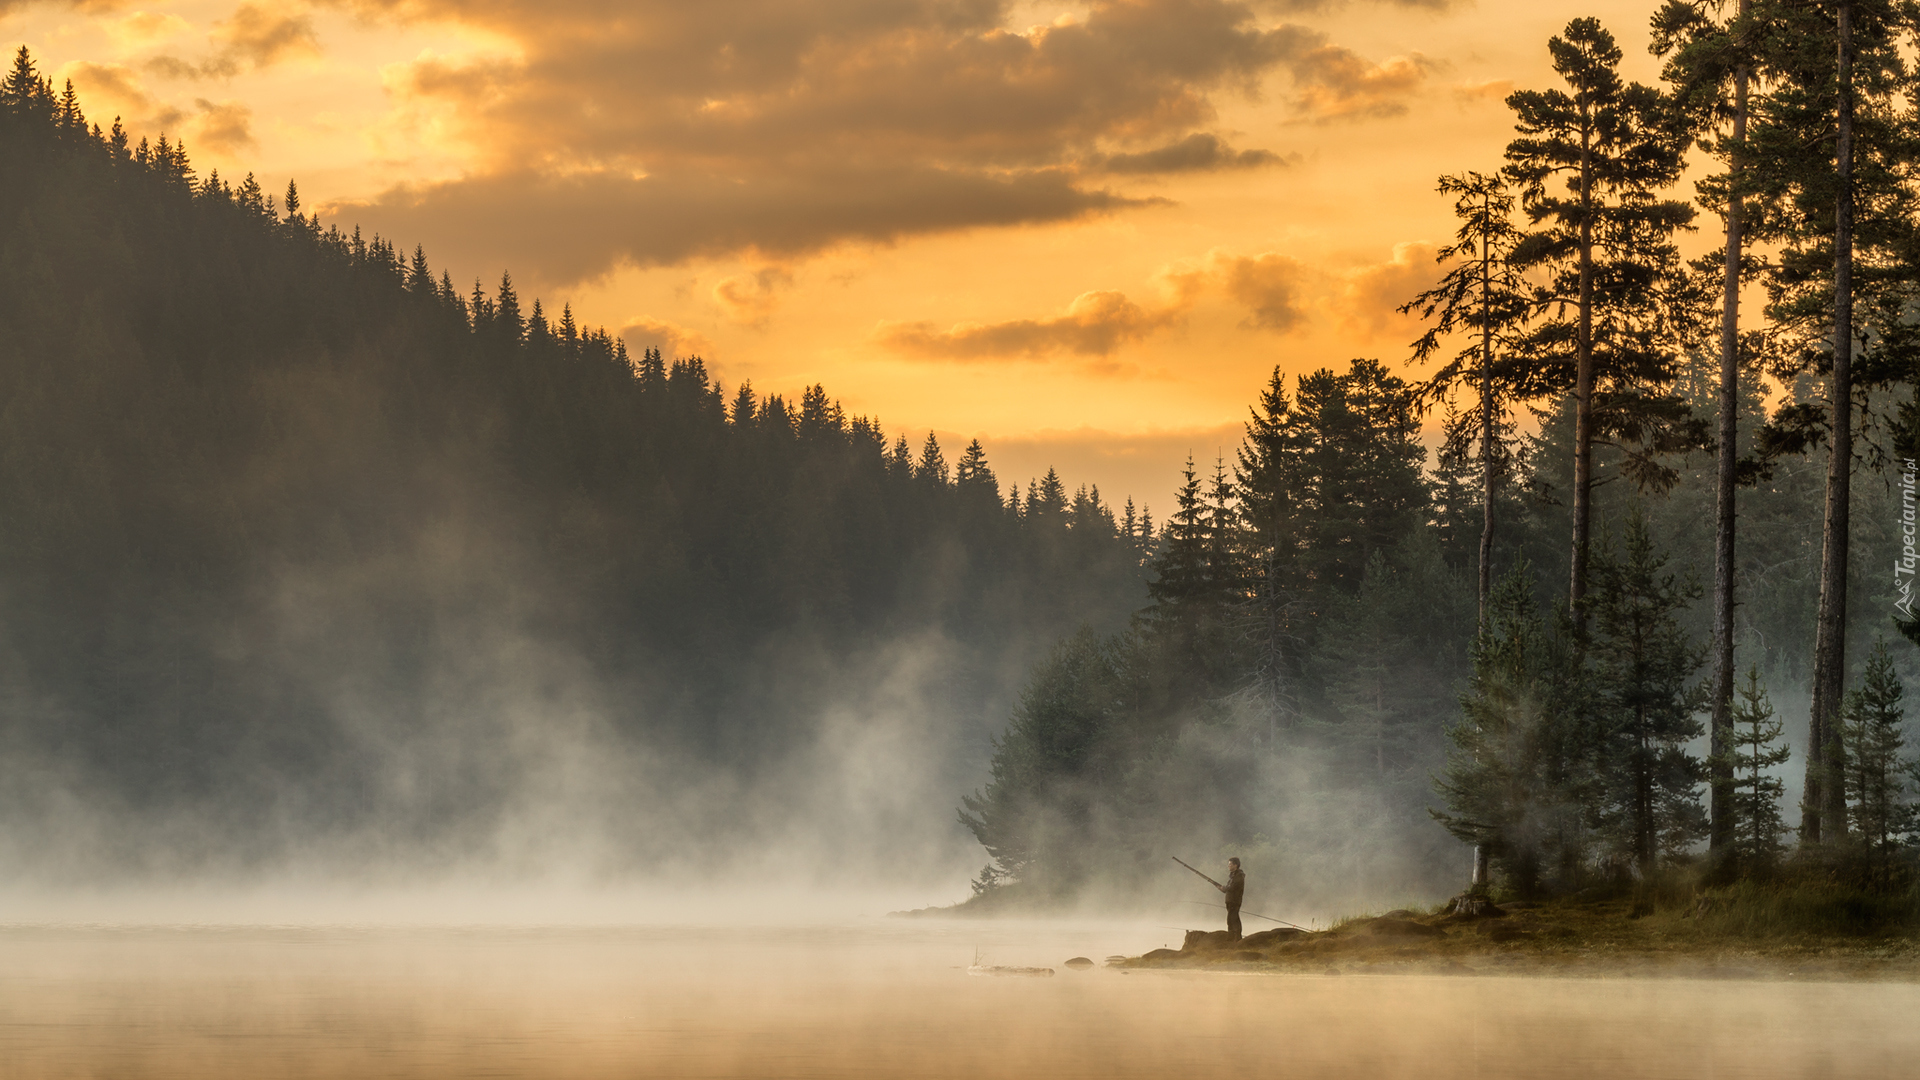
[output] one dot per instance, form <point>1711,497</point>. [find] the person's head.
<point>1234,861</point>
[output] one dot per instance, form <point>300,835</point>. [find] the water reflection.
<point>888,999</point>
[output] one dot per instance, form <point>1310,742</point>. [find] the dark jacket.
<point>1236,887</point>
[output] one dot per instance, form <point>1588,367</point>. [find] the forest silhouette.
<point>275,493</point>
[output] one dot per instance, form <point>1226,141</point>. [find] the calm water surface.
<point>889,998</point>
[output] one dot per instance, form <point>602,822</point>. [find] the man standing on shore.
<point>1235,888</point>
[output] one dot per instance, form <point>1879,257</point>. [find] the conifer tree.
<point>1589,163</point>
<point>931,469</point>
<point>972,472</point>
<point>22,86</point>
<point>820,417</point>
<point>1831,153</point>
<point>899,459</point>
<point>1711,67</point>
<point>1753,807</point>
<point>1181,572</point>
<point>1644,666</point>
<point>1509,782</point>
<point>1876,784</point>
<point>743,411</point>
<point>1483,297</point>
<point>1047,500</point>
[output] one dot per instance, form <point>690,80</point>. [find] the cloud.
<point>86,7</point>
<point>252,38</point>
<point>224,127</point>
<point>645,332</point>
<point>146,27</point>
<point>1268,285</point>
<point>669,109</point>
<point>114,90</point>
<point>1095,324</point>
<point>1369,295</point>
<point>1272,287</point>
<point>1338,84</point>
<point>749,299</point>
<point>1198,152</point>
<point>1491,90</point>
<point>572,228</point>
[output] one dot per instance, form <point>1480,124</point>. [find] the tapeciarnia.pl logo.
<point>1903,567</point>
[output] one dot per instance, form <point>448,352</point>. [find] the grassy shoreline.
<point>1741,932</point>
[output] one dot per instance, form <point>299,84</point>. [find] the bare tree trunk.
<point>1720,768</point>
<point>1480,859</point>
<point>1824,806</point>
<point>1486,424</point>
<point>1583,392</point>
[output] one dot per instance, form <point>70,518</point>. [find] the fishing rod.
<point>1255,914</point>
<point>1223,888</point>
<point>1203,877</point>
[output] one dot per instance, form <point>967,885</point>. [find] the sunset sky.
<point>1084,233</point>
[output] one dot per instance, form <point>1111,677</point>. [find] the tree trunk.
<point>1824,818</point>
<point>1720,768</point>
<point>1480,860</point>
<point>1583,389</point>
<point>1486,429</point>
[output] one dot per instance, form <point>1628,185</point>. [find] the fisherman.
<point>1235,888</point>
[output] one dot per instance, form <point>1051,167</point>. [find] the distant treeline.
<point>1341,644</point>
<point>289,525</point>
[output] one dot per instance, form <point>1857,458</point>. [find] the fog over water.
<point>878,998</point>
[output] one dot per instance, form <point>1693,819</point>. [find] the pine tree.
<point>1181,575</point>
<point>1644,666</point>
<point>420,275</point>
<point>1047,500</point>
<point>1753,746</point>
<point>820,417</point>
<point>743,412</point>
<point>1876,786</point>
<point>1606,245</point>
<point>1711,67</point>
<point>900,459</point>
<point>931,469</point>
<point>1483,296</point>
<point>1035,814</point>
<point>1830,156</point>
<point>507,321</point>
<point>972,473</point>
<point>1508,784</point>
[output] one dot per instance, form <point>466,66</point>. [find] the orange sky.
<point>1082,232</point>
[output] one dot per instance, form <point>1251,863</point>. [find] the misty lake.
<point>886,998</point>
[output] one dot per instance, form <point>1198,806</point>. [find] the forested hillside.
<point>303,548</point>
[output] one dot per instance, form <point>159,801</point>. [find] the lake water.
<point>881,998</point>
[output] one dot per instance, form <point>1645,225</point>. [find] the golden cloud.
<point>224,127</point>
<point>1272,287</point>
<point>253,37</point>
<point>674,342</point>
<point>1095,324</point>
<point>114,90</point>
<point>577,227</point>
<point>147,27</point>
<point>804,118</point>
<point>1369,296</point>
<point>749,299</point>
<point>1338,84</point>
<point>1198,152</point>
<point>1491,90</point>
